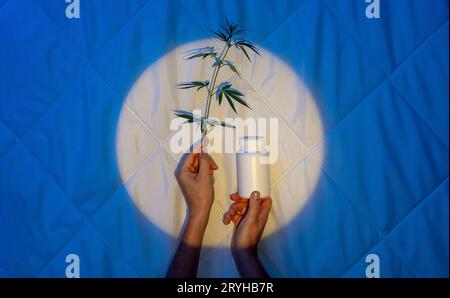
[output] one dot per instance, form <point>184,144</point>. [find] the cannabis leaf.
<point>231,95</point>
<point>243,44</point>
<point>214,122</point>
<point>190,118</point>
<point>200,53</point>
<point>228,33</point>
<point>220,35</point>
<point>219,92</point>
<point>193,84</point>
<point>187,115</point>
<point>231,66</point>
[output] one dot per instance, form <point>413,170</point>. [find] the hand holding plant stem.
<point>195,175</point>
<point>228,35</point>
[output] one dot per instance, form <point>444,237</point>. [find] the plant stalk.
<point>213,85</point>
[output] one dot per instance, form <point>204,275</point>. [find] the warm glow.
<point>147,165</point>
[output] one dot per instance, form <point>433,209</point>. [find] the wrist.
<point>248,263</point>
<point>198,219</point>
<point>199,211</point>
<point>241,255</point>
<point>194,230</point>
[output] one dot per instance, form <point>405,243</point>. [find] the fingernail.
<point>255,195</point>
<point>232,211</point>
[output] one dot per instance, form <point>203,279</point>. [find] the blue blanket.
<point>380,84</point>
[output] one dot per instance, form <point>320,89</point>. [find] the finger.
<point>235,197</point>
<point>253,206</point>
<point>203,170</point>
<point>237,210</point>
<point>236,223</point>
<point>266,206</point>
<point>235,218</point>
<point>212,163</point>
<point>226,218</point>
<point>195,163</point>
<point>201,148</point>
<point>239,207</point>
<point>194,166</point>
<point>187,162</point>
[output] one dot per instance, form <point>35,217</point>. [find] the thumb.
<point>204,168</point>
<point>253,206</point>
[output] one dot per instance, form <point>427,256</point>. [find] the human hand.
<point>250,217</point>
<point>195,178</point>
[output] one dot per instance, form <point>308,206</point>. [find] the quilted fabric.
<point>381,86</point>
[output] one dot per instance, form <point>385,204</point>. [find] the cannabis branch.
<point>230,34</point>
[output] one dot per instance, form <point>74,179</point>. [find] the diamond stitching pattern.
<point>160,142</point>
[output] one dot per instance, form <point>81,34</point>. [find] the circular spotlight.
<point>272,89</point>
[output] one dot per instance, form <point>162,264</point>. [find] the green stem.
<point>213,85</point>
